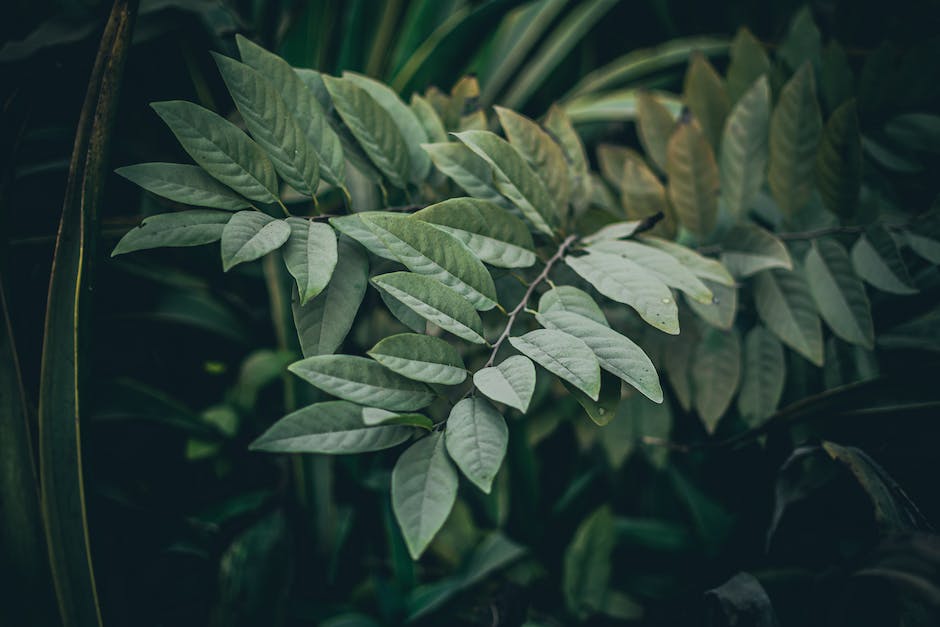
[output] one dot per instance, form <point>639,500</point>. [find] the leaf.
<point>573,300</point>
<point>493,234</point>
<point>323,323</point>
<point>476,438</point>
<point>560,126</point>
<point>837,82</point>
<point>705,94</point>
<point>221,148</point>
<point>925,247</point>
<point>587,565</point>
<point>611,159</point>
<point>748,63</point>
<point>803,42</point>
<point>354,226</point>
<point>743,154</point>
<point>514,178</point>
<point>612,232</point>
<point>655,125</point>
<point>511,382</point>
<point>304,105</point>
<point>363,381</point>
<point>187,184</point>
<point>701,266</point>
<point>795,127</point>
<point>373,128</point>
<point>434,302</point>
<point>643,195</point>
<point>693,178</point>
<point>748,249</point>
<point>839,161</point>
<point>839,294</point>
<point>183,228</point>
<point>404,118</point>
<point>429,119</point>
<point>716,373</point>
<point>424,489</point>
<point>627,282</point>
<point>310,256</point>
<point>332,428</point>
<point>764,371</point>
<point>660,264</point>
<point>876,259</point>
<point>426,250</point>
<point>541,152</point>
<point>271,124</point>
<point>741,600</point>
<point>420,357</point>
<point>678,364</point>
<point>403,313</point>
<point>472,173</point>
<point>250,235</point>
<point>563,355</point>
<point>721,311</point>
<point>636,418</point>
<point>614,352</point>
<point>375,416</point>
<point>786,306</point>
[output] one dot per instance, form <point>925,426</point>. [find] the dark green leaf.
<point>362,381</point>
<point>183,228</point>
<point>250,235</point>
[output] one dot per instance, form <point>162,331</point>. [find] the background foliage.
<point>185,365</point>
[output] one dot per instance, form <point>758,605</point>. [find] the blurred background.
<point>184,368</point>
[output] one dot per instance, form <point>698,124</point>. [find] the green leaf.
<point>493,234</point>
<point>786,306</point>
<point>323,323</point>
<point>636,418</point>
<point>660,264</point>
<point>420,357</point>
<point>615,353</point>
<point>353,226</point>
<point>925,247</point>
<point>403,313</point>
<point>306,109</point>
<point>748,249</point>
<point>839,161</point>
<point>655,125</point>
<point>404,118</point>
<point>627,282</point>
<point>560,126</point>
<point>693,178</point>
<point>375,416</point>
<point>611,159</point>
<point>721,311</point>
<point>613,232</point>
<point>571,299</point>
<point>511,382</point>
<point>514,178</point>
<point>361,380</point>
<point>310,256</point>
<point>426,250</point>
<point>803,42</point>
<point>716,372</point>
<point>588,563</point>
<point>643,195</point>
<point>333,428</point>
<point>839,294</point>
<point>743,155</point>
<point>373,128</point>
<point>183,228</point>
<point>678,364</point>
<point>795,127</point>
<point>187,184</point>
<point>476,438</point>
<point>602,410</point>
<point>563,355</point>
<point>429,119</point>
<point>763,377</point>
<point>250,235</point>
<point>541,152</point>
<point>876,259</point>
<point>705,94</point>
<point>271,124</point>
<point>434,302</point>
<point>221,148</point>
<point>837,82</point>
<point>472,173</point>
<point>424,489</point>
<point>748,63</point>
<point>701,266</point>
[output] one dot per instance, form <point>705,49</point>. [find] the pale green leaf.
<point>876,259</point>
<point>716,372</point>
<point>374,416</point>
<point>473,174</point>
<point>563,355</point>
<point>541,152</point>
<point>434,302</point>
<point>839,161</point>
<point>250,235</point>
<point>701,266</point>
<point>839,294</point>
<point>353,226</point>
<point>476,438</point>
<point>363,381</point>
<point>748,249</point>
<point>333,427</point>
<point>803,41</point>
<point>511,382</point>
<point>705,94</point>
<point>763,376</point>
<point>182,228</point>
<point>559,125</point>
<point>613,231</point>
<point>310,256</point>
<point>743,154</point>
<point>588,563</point>
<point>627,282</point>
<point>571,299</point>
<point>655,125</point>
<point>693,178</point>
<point>748,63</point>
<point>420,357</point>
<point>660,264</point>
<point>926,247</point>
<point>720,313</point>
<point>428,118</point>
<point>786,306</point>
<point>424,489</point>
<point>187,184</point>
<point>221,148</point>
